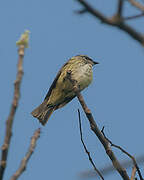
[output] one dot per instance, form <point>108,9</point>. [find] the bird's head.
<point>88,60</point>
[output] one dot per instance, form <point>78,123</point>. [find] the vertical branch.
<point>120,8</point>
<point>9,122</point>
<point>133,173</point>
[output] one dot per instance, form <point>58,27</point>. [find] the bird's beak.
<point>94,62</point>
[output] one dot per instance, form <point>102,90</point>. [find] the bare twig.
<point>125,152</point>
<point>136,4</point>
<point>134,17</point>
<point>27,156</point>
<point>113,21</point>
<point>10,119</point>
<point>88,153</point>
<point>133,173</point>
<point>120,8</point>
<point>97,132</point>
<point>9,122</point>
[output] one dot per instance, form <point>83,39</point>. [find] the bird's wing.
<point>54,82</point>
<point>65,101</point>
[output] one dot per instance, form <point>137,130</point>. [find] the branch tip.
<point>14,105</point>
<point>24,40</point>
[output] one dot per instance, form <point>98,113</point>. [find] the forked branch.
<point>116,20</point>
<point>96,130</point>
<point>125,152</point>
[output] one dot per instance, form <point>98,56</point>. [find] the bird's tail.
<point>43,113</point>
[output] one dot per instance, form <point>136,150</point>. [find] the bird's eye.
<point>87,58</point>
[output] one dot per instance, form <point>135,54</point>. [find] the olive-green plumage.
<point>61,90</point>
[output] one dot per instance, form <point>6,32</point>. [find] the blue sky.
<point>115,97</point>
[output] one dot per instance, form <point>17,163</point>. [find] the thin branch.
<point>113,21</point>
<point>136,4</point>
<point>88,153</point>
<point>134,17</point>
<point>9,122</point>
<point>10,119</point>
<point>25,160</point>
<point>133,173</point>
<point>120,7</point>
<point>96,130</point>
<point>125,152</point>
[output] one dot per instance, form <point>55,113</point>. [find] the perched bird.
<point>61,91</point>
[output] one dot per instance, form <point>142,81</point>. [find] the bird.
<point>61,91</point>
